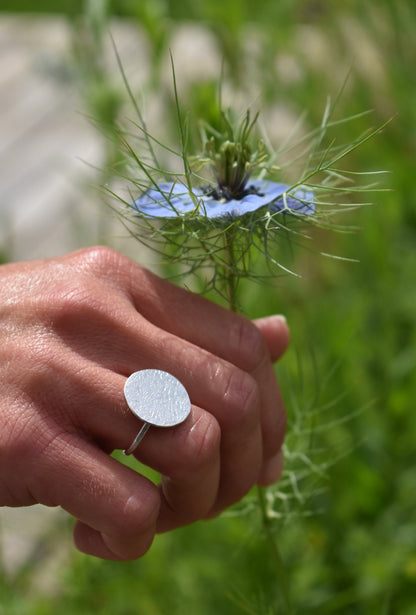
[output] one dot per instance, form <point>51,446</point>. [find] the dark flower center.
<point>225,194</point>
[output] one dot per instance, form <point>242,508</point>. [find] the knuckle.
<point>71,298</point>
<point>199,449</point>
<point>242,397</point>
<point>132,531</point>
<point>250,347</point>
<point>42,461</point>
<point>100,259</point>
<point>79,302</point>
<point>140,514</point>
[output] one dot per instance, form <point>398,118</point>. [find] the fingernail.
<point>281,318</point>
<point>275,317</point>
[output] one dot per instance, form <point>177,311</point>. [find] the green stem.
<point>277,558</point>
<point>231,279</point>
<point>231,287</point>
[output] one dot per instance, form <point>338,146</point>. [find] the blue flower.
<point>170,200</point>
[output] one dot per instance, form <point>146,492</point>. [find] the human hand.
<point>71,330</point>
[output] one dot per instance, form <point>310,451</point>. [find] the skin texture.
<point>72,329</point>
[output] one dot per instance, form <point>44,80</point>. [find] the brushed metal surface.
<point>157,397</point>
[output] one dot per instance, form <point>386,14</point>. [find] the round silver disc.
<point>157,397</point>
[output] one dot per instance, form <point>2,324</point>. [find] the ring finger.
<point>187,456</point>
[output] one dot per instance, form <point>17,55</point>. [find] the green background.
<point>348,539</point>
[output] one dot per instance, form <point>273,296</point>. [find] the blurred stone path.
<point>46,141</point>
<point>42,136</point>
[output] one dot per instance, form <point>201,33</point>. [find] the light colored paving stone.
<point>26,535</point>
<point>42,136</point>
<point>46,141</point>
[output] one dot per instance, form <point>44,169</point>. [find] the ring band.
<point>137,439</point>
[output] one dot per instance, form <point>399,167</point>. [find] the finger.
<point>190,483</point>
<point>275,333</point>
<point>277,336</point>
<point>174,309</point>
<point>188,458</point>
<point>116,507</point>
<point>272,470</point>
<point>195,319</point>
<point>273,409</point>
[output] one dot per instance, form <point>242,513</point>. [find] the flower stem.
<point>231,280</point>
<point>277,558</point>
<point>231,291</point>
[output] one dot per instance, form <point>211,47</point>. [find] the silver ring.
<point>157,398</point>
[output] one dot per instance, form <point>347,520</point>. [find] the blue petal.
<point>170,200</point>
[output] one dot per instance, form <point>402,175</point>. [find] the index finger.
<point>200,321</point>
<point>116,508</point>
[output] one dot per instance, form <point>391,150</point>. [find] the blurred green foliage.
<point>349,542</point>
